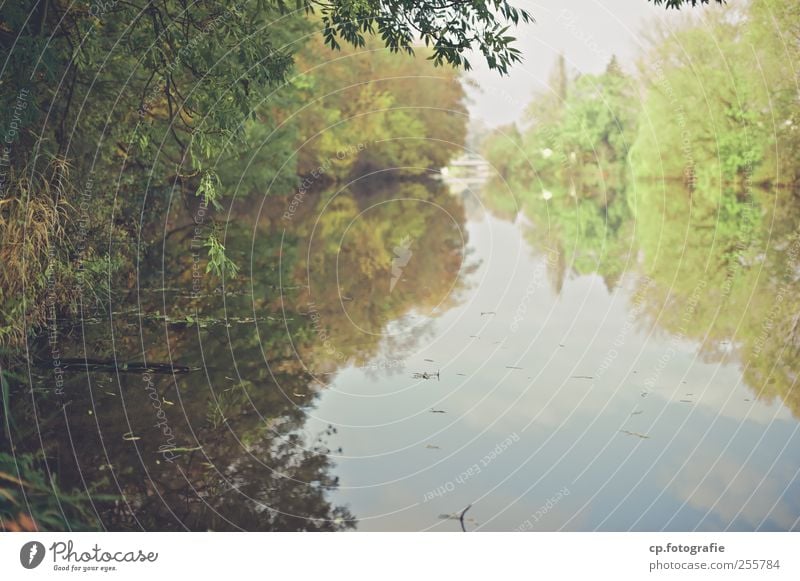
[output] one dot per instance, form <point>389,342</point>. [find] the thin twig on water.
<point>461,518</point>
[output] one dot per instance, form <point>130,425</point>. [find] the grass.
<point>30,501</point>
<point>33,222</point>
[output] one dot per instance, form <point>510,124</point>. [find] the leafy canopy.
<point>450,27</point>
<point>680,3</point>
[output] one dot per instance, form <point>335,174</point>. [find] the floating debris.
<point>179,449</point>
<point>461,518</point>
<point>686,401</point>
<point>432,447</point>
<point>487,313</point>
<point>636,413</point>
<point>431,360</point>
<point>129,437</point>
<point>637,434</point>
<point>462,374</point>
<point>582,377</point>
<point>426,375</point>
<point>112,366</point>
<point>433,411</point>
<point>298,394</point>
<point>457,516</point>
<point>512,367</point>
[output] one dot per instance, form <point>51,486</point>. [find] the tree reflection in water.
<point>223,447</point>
<point>717,266</point>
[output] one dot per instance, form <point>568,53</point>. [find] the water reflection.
<point>392,353</point>
<point>222,444</point>
<point>718,266</point>
<point>627,392</point>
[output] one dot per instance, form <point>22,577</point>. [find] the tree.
<point>681,3</point>
<point>450,28</point>
<point>579,129</point>
<point>727,114</point>
<point>146,101</point>
<point>559,80</point>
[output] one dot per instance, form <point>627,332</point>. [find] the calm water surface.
<point>393,352</point>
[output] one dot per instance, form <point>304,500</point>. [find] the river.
<point>394,351</point>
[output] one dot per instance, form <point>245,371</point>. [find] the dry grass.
<point>33,230</point>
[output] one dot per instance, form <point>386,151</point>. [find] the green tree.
<point>727,114</point>
<point>153,100</point>
<point>579,131</point>
<point>681,3</point>
<point>600,122</point>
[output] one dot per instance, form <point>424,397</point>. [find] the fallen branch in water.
<point>108,365</point>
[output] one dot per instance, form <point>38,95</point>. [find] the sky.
<point>587,32</point>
